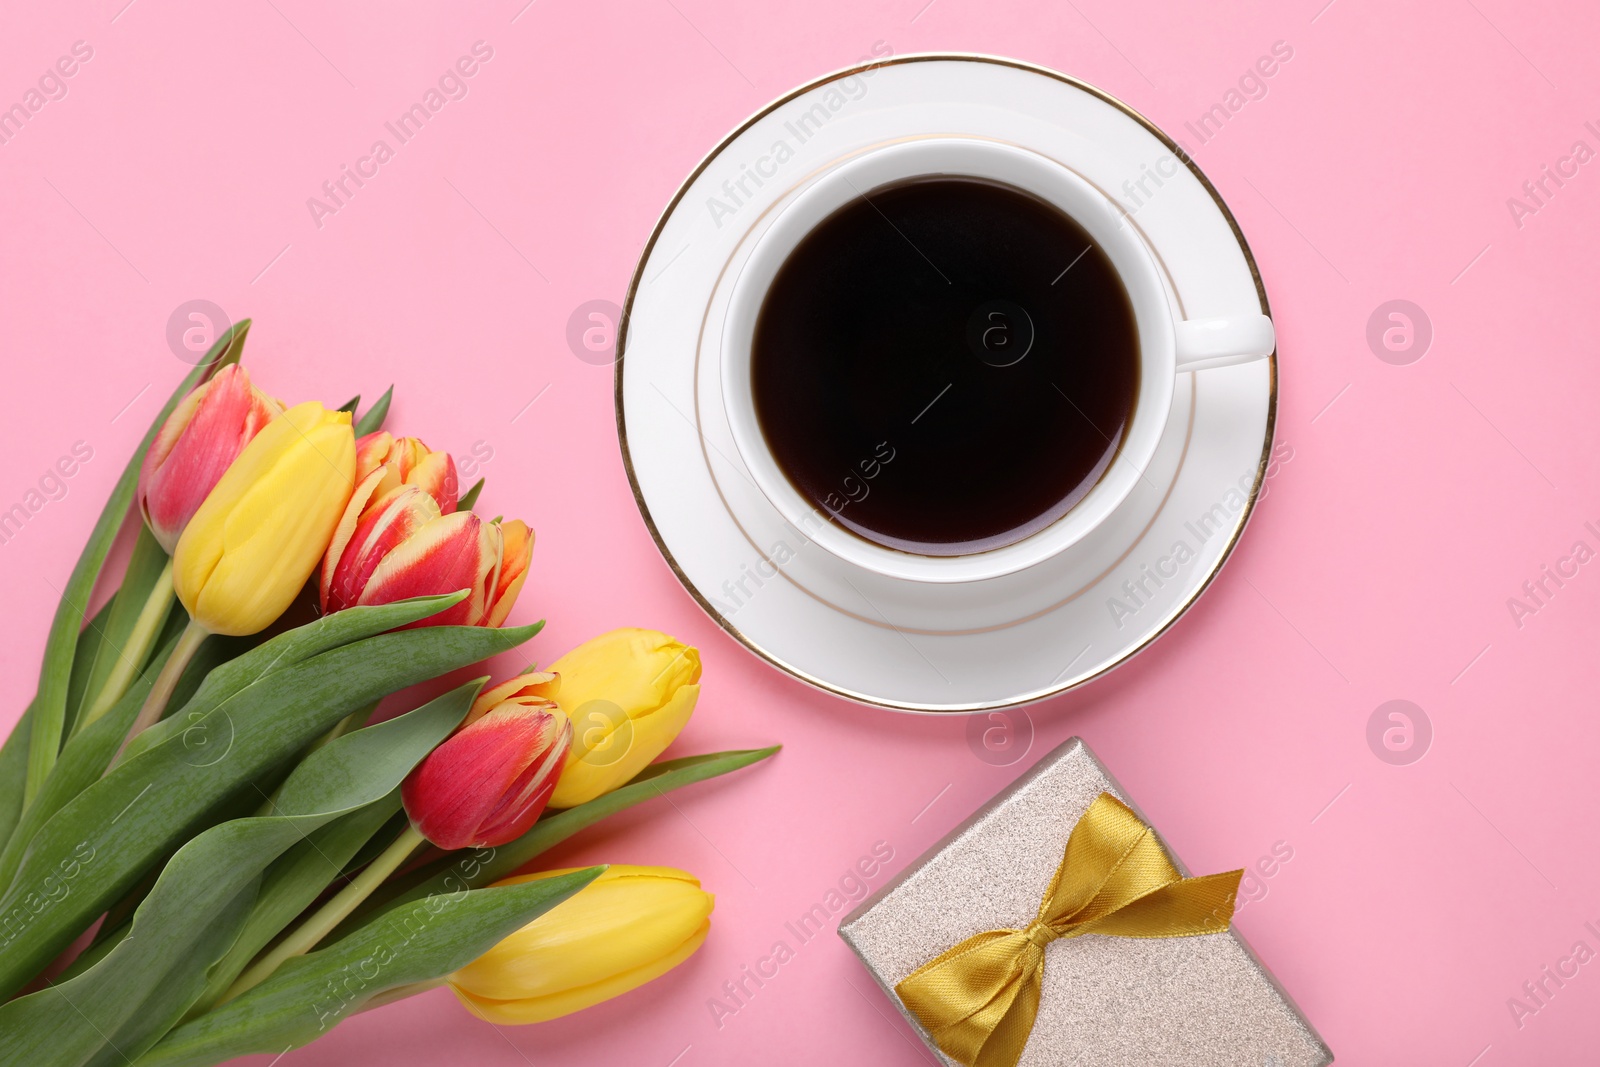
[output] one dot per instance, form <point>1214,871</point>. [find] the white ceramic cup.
<point>1167,346</point>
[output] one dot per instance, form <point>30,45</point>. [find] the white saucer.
<point>981,645</point>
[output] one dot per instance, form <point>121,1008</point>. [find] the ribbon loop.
<point>979,999</point>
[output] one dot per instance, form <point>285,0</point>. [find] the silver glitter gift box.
<point>1113,1001</point>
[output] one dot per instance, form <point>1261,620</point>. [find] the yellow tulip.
<point>628,693</point>
<point>628,926</point>
<point>249,549</point>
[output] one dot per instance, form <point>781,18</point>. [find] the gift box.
<point>1148,996</point>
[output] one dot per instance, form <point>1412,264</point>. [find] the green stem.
<point>189,643</point>
<point>133,655</point>
<point>305,936</point>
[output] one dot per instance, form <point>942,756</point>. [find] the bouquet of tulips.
<point>196,805</point>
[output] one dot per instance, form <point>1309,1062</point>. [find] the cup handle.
<point>1206,343</point>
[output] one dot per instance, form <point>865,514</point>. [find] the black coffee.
<point>945,365</point>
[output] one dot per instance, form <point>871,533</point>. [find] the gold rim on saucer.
<point>644,508</point>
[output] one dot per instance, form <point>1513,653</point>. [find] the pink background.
<point>1419,498</point>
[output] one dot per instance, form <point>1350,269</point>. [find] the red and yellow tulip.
<point>405,461</point>
<point>401,536</point>
<point>195,447</point>
<point>490,781</point>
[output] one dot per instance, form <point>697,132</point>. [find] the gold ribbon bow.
<point>978,1000</point>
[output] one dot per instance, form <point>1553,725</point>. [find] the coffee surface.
<point>945,365</point>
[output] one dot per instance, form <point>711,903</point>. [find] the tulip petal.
<point>637,670</point>
<point>517,553</point>
<point>372,451</point>
<point>442,555</point>
<point>554,1005</point>
<point>646,737</point>
<point>385,525</point>
<point>521,803</point>
<point>408,461</point>
<point>172,430</point>
<point>435,473</point>
<point>488,783</point>
<point>627,915</point>
<point>345,531</point>
<point>254,542</point>
<point>195,447</point>
<point>626,927</point>
<point>530,686</point>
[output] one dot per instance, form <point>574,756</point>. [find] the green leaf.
<point>297,878</point>
<point>50,705</point>
<point>470,497</point>
<point>87,754</point>
<point>210,750</point>
<point>13,772</point>
<point>312,993</point>
<point>82,664</point>
<point>372,421</point>
<point>351,404</point>
<point>286,650</point>
<point>293,882</point>
<point>117,646</point>
<point>152,1007</point>
<point>654,781</point>
<point>104,941</point>
<point>14,753</point>
<point>125,1002</point>
<point>479,867</point>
